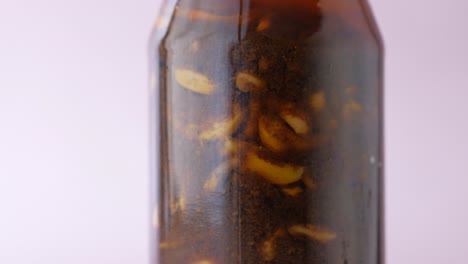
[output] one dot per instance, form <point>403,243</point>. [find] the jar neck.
<point>325,7</point>
<point>336,7</point>
<point>355,13</point>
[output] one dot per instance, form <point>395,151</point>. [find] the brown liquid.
<point>270,134</point>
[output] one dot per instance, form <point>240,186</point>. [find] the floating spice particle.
<point>194,81</point>
<point>309,182</point>
<point>332,125</point>
<point>318,101</point>
<point>294,191</point>
<point>264,24</point>
<point>263,64</point>
<point>350,90</point>
<point>268,249</point>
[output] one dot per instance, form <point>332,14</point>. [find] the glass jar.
<point>267,119</point>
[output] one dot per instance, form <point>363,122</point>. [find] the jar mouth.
<point>215,7</point>
<point>231,7</point>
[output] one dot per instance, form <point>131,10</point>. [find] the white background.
<point>73,130</point>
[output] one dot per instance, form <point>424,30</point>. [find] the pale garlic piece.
<point>280,174</point>
<point>247,82</point>
<point>178,201</point>
<point>182,202</point>
<point>296,120</point>
<point>195,46</point>
<point>224,128</point>
<point>234,147</point>
<point>194,14</point>
<point>318,101</point>
<point>219,175</point>
<point>216,177</point>
<point>179,204</point>
<point>203,261</point>
<point>312,232</point>
<point>293,191</point>
<point>169,244</point>
<point>194,81</point>
<point>278,137</point>
<point>268,249</point>
<point>351,108</point>
<point>155,218</point>
<point>229,147</point>
<point>274,134</point>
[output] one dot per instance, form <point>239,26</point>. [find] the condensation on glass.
<point>267,118</point>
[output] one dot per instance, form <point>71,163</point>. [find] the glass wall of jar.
<point>268,132</point>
